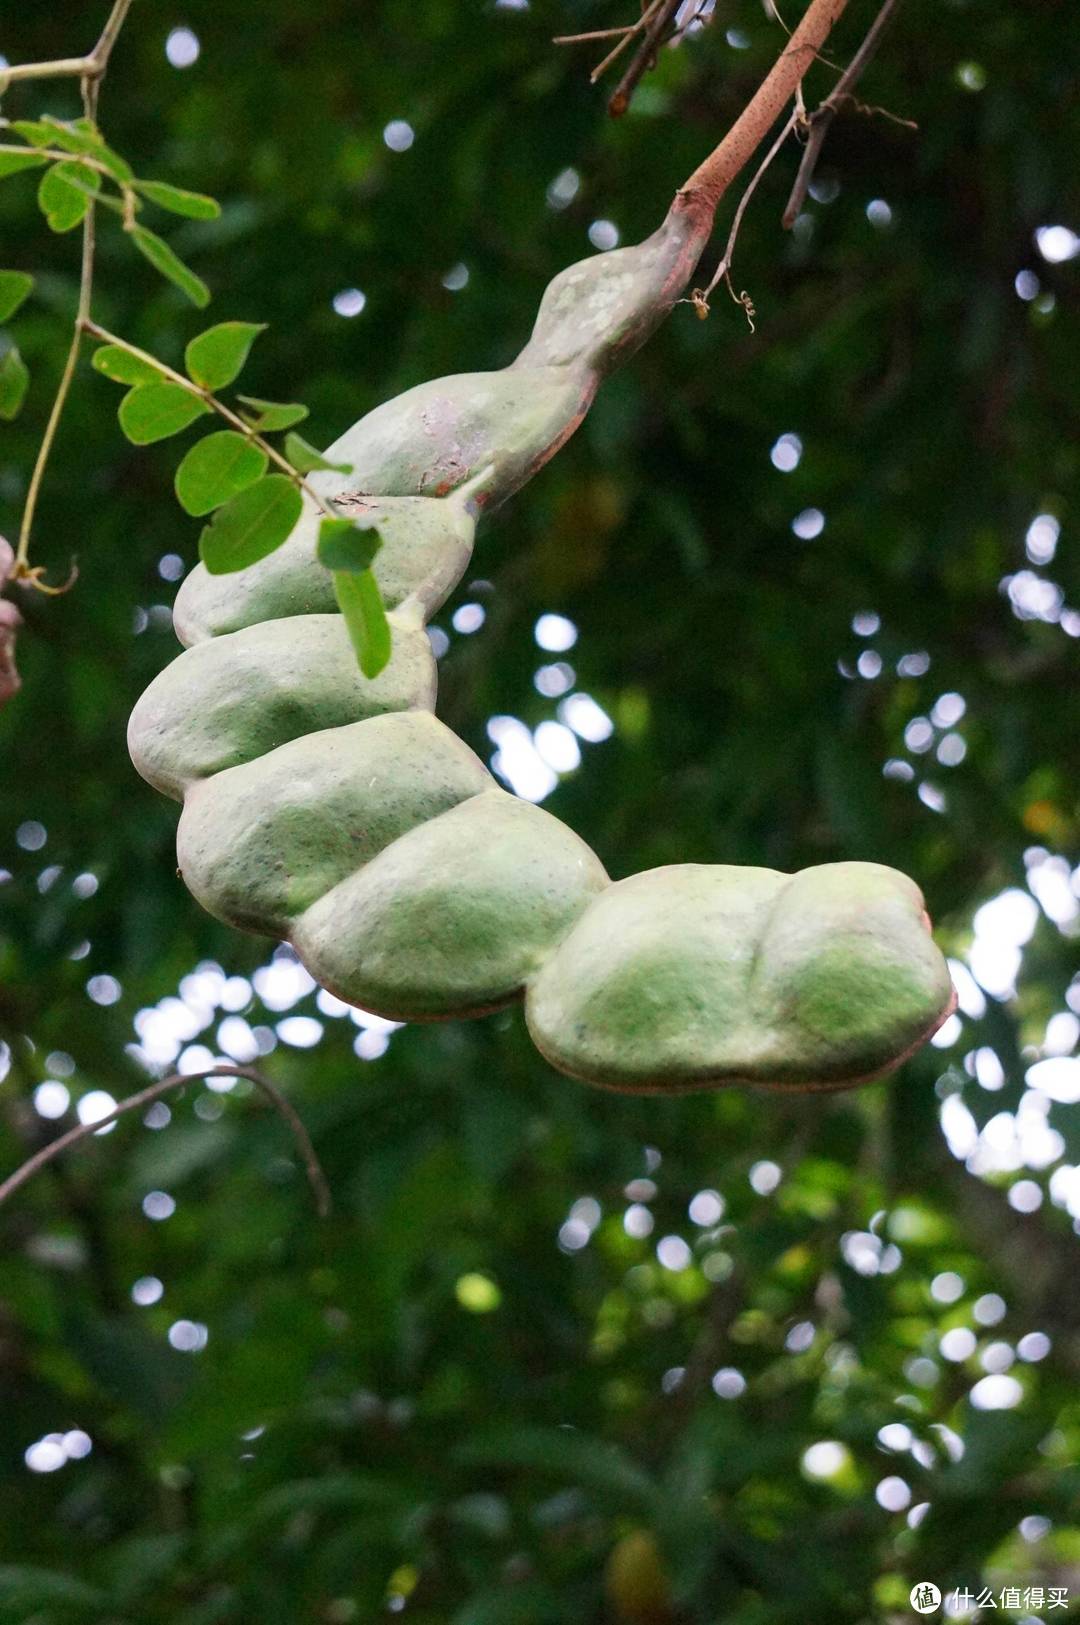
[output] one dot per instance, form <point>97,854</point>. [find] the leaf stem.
<point>90,72</point>
<point>212,401</point>
<point>177,1080</point>
<point>73,67</point>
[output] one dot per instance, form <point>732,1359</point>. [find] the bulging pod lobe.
<point>231,699</point>
<point>696,976</point>
<point>454,918</point>
<point>259,844</point>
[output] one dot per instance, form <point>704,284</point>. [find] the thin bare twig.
<point>146,1097</point>
<point>596,33</point>
<point>644,58</point>
<point>700,296</point>
<point>822,116</point>
<point>647,14</point>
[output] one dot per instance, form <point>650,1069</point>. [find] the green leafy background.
<point>431,1404</point>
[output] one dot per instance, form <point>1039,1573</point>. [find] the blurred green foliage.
<point>428,1404</point>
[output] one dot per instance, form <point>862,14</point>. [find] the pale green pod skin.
<point>232,698</point>
<point>696,976</point>
<point>422,941</point>
<point>338,813</point>
<point>259,844</point>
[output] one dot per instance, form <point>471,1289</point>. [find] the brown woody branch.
<point>712,178</point>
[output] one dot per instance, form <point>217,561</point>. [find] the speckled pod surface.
<point>338,812</point>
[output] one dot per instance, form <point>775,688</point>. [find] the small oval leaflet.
<point>12,162</point>
<point>14,288</point>
<point>157,410</point>
<point>217,468</point>
<point>195,205</point>
<point>360,602</point>
<point>343,545</point>
<point>251,525</point>
<point>14,382</point>
<point>35,131</point>
<point>62,203</point>
<point>171,266</point>
<point>216,357</point>
<point>305,459</point>
<point>123,367</point>
<point>266,416</point>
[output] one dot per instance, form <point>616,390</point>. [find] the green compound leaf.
<point>14,287</point>
<point>157,410</point>
<point>12,162</point>
<point>344,547</point>
<point>266,416</point>
<point>163,259</point>
<point>122,367</point>
<point>216,469</point>
<point>195,205</point>
<point>65,193</point>
<point>216,357</point>
<point>14,382</point>
<point>305,459</point>
<point>250,525</point>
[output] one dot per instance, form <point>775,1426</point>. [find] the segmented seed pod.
<point>338,813</point>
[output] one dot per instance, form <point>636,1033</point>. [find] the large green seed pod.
<point>337,812</point>
<point>696,976</point>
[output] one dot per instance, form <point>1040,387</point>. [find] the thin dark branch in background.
<point>146,1097</point>
<point>597,33</point>
<point>644,58</point>
<point>625,35</point>
<point>821,118</point>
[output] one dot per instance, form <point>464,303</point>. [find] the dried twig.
<point>821,118</point>
<point>644,57</point>
<point>648,12</point>
<point>177,1080</point>
<point>624,35</point>
<point>700,296</point>
<point>597,33</point>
